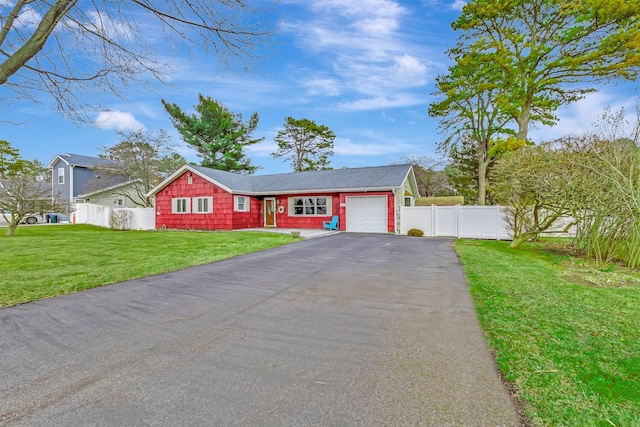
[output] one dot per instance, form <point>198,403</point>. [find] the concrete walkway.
<point>347,330</point>
<point>307,233</point>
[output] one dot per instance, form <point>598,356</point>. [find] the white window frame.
<point>60,176</point>
<point>246,203</point>
<point>410,199</point>
<point>118,202</point>
<point>203,205</point>
<point>308,204</point>
<point>180,205</point>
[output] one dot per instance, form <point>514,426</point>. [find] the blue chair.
<point>332,225</point>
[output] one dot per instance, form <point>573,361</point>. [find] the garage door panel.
<point>367,214</point>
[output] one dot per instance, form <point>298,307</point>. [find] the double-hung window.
<point>241,203</point>
<point>60,175</point>
<point>180,205</point>
<point>203,204</point>
<point>310,206</point>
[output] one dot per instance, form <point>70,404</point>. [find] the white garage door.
<point>367,214</point>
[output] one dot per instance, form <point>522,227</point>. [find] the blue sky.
<point>364,68</point>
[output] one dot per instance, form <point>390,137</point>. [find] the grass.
<point>42,262</point>
<point>571,349</point>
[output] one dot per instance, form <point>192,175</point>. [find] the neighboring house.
<point>125,195</point>
<point>365,199</point>
<point>74,174</point>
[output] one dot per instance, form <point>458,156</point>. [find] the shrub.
<point>121,219</point>
<point>415,232</point>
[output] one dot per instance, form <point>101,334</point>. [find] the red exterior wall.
<point>251,219</point>
<point>390,208</point>
<point>222,217</point>
<point>283,220</point>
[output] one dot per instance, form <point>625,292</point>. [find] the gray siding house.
<point>75,174</point>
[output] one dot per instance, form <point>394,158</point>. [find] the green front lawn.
<point>565,333</point>
<point>45,261</point>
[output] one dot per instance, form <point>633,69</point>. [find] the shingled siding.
<point>286,220</point>
<point>220,219</point>
<point>223,216</point>
<point>251,219</point>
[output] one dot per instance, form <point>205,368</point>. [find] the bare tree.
<point>432,180</point>
<point>75,49</point>
<point>22,194</point>
<point>145,158</point>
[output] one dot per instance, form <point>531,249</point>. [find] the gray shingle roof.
<point>367,178</point>
<point>86,161</point>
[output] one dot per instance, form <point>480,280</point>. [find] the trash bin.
<point>53,219</point>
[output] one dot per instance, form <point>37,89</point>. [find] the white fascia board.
<point>57,157</point>
<point>413,183</point>
<point>179,172</point>
<point>167,181</point>
<point>113,187</point>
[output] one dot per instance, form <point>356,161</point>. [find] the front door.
<point>270,212</point>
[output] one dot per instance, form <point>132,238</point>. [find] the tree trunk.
<point>483,164</point>
<point>11,228</point>
<point>519,240</point>
<point>31,47</point>
<point>523,121</point>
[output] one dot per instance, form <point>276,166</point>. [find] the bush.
<point>415,232</point>
<point>121,219</point>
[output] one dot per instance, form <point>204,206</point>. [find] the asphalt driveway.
<point>341,330</point>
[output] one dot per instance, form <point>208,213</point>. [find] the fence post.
<point>434,221</point>
<point>457,220</point>
<point>497,222</point>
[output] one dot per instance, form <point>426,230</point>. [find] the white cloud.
<point>109,27</point>
<point>580,116</point>
<point>118,120</point>
<point>262,149</point>
<point>367,56</point>
<point>458,5</point>
<point>381,102</point>
<point>322,86</point>
<point>410,71</point>
<point>377,26</point>
<point>29,17</point>
<point>388,8</point>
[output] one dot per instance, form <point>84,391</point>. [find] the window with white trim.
<point>202,204</point>
<point>310,206</point>
<point>180,205</point>
<point>241,203</point>
<point>408,201</point>
<point>118,202</point>
<point>60,175</point>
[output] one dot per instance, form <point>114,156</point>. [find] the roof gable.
<point>80,160</point>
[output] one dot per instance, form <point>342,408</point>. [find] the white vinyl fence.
<point>474,222</point>
<point>120,218</point>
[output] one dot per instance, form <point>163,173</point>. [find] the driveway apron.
<point>341,330</point>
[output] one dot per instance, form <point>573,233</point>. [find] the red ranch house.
<point>364,199</point>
